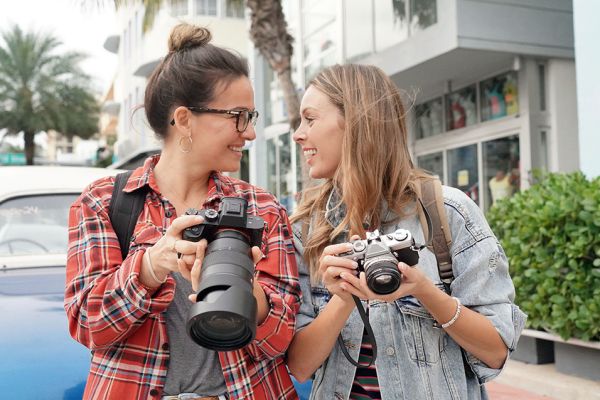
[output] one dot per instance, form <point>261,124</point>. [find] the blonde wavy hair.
<point>375,165</point>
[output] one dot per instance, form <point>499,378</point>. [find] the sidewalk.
<point>540,382</point>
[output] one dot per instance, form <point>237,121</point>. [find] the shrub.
<point>551,235</point>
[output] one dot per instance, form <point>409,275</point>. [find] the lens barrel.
<point>224,316</point>
<point>382,274</point>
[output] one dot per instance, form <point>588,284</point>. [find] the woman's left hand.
<point>413,283</point>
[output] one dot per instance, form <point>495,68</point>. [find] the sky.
<point>82,28</point>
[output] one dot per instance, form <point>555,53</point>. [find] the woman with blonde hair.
<point>353,136</point>
<point>131,310</point>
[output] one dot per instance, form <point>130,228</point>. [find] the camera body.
<point>378,256</point>
<point>232,214</point>
<point>224,315</point>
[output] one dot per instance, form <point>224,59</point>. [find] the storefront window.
<point>501,161</point>
<point>286,175</point>
<point>462,170</point>
<point>423,13</point>
<point>432,163</point>
<point>461,108</point>
<point>272,166</point>
<point>392,23</point>
<point>499,96</point>
<point>359,29</point>
<point>430,118</point>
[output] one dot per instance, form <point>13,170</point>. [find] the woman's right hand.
<point>172,253</point>
<point>332,268</point>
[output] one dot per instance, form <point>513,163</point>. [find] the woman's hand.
<point>172,253</point>
<point>414,282</point>
<point>333,269</point>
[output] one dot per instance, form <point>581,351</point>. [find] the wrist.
<point>157,275</point>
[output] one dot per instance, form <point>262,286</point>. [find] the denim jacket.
<point>416,358</point>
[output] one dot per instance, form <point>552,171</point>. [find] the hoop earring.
<point>182,146</point>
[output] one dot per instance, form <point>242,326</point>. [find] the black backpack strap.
<point>124,210</point>
<point>432,203</point>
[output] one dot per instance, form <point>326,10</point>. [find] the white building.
<point>490,84</point>
<point>139,53</point>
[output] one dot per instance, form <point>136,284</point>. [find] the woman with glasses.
<point>132,311</point>
<point>434,341</point>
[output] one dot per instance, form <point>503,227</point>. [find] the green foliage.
<point>42,89</point>
<point>551,235</point>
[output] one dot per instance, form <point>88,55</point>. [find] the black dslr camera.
<point>224,316</point>
<point>378,257</point>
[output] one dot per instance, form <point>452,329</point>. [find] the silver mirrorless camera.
<point>378,256</point>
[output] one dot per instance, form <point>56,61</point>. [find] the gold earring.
<point>182,146</point>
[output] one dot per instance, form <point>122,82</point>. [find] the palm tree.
<point>41,89</point>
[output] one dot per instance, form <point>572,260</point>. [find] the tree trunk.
<point>29,147</point>
<point>268,32</point>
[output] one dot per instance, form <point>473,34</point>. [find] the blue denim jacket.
<point>417,359</point>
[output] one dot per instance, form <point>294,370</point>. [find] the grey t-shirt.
<point>192,368</point>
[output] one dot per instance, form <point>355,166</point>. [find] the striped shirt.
<point>110,312</point>
<point>365,385</point>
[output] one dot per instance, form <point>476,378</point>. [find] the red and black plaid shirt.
<point>110,312</point>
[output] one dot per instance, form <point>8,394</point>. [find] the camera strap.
<point>370,336</point>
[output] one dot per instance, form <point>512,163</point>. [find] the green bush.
<point>551,235</point>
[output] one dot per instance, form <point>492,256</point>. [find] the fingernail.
<point>342,275</point>
<point>354,264</point>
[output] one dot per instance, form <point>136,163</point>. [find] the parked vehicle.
<point>38,357</point>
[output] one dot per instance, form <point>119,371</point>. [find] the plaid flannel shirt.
<point>111,313</point>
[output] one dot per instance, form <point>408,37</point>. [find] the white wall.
<point>562,101</point>
<point>587,58</point>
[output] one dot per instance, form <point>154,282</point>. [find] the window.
<point>281,176</point>
<point>35,225</point>
<point>499,96</point>
<point>432,163</point>
<point>423,13</point>
<point>206,7</point>
<point>234,8</point>
<point>461,108</point>
<point>542,86</point>
<point>179,7</point>
<point>430,118</point>
<point>462,170</point>
<point>500,169</point>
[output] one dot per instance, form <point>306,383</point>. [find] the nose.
<point>299,135</point>
<point>249,133</point>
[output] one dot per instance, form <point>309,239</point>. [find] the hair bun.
<point>186,36</point>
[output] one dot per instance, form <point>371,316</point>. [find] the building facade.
<point>140,52</point>
<point>490,86</point>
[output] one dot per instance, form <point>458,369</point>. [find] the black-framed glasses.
<point>242,117</point>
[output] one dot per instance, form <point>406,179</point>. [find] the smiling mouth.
<point>310,152</point>
<point>238,149</point>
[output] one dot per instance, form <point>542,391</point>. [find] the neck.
<point>182,181</point>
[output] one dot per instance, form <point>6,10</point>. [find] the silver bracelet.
<point>456,314</point>
<point>151,269</point>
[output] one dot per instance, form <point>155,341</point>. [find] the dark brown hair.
<point>188,75</point>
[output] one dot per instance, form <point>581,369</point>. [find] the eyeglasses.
<point>242,117</point>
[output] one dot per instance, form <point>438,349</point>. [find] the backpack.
<point>124,210</point>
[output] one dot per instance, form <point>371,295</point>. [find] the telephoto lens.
<point>224,316</point>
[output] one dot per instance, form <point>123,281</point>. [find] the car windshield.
<point>35,225</point>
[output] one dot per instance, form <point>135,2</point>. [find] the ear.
<point>181,116</point>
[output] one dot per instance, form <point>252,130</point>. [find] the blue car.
<point>38,357</point>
